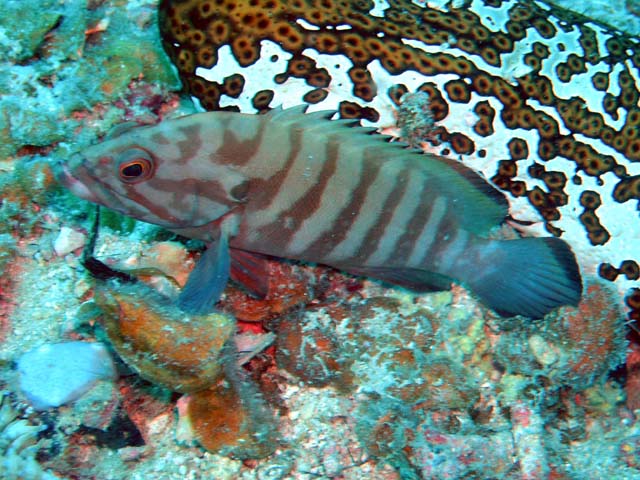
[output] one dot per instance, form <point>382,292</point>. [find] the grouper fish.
<point>302,186</point>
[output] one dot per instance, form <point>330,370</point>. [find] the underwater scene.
<point>319,239</point>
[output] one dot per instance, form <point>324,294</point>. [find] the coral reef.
<point>421,369</point>
<point>46,91</point>
<point>328,376</point>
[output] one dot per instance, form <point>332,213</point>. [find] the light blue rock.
<point>58,373</point>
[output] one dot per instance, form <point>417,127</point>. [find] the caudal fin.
<point>528,276</point>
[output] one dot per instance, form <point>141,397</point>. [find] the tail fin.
<point>528,276</point>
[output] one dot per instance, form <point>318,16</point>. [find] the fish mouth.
<point>66,178</point>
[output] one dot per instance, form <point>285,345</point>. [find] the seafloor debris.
<point>161,343</point>
<point>68,240</point>
<point>229,418</point>
<point>19,445</point>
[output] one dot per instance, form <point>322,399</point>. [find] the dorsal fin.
<point>120,129</point>
<point>481,206</point>
<point>478,205</point>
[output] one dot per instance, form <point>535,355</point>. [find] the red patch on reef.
<point>10,273</point>
<point>595,327</point>
<point>6,305</point>
<point>632,386</point>
<point>290,286</point>
<point>287,289</point>
<point>143,408</point>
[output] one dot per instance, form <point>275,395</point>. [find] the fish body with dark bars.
<point>301,186</point>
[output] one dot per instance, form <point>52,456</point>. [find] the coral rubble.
<point>19,446</point>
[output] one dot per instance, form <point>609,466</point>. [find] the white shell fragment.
<point>54,374</point>
<point>68,240</point>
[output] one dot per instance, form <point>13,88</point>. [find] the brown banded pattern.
<point>304,187</point>
<point>564,85</point>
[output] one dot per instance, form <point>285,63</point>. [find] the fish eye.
<point>135,168</point>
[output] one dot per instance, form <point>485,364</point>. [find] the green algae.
<point>19,44</point>
<point>7,250</point>
<point>68,59</point>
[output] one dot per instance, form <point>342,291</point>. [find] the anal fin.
<point>411,278</point>
<point>251,270</point>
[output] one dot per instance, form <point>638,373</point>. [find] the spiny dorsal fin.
<point>478,205</point>
<point>120,129</point>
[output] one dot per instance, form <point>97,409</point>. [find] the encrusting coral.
<point>165,346</point>
<point>19,445</point>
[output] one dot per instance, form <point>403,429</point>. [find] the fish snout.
<point>63,173</point>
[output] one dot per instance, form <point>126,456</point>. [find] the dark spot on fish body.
<point>348,213</point>
<point>376,232</point>
<point>237,152</point>
<point>240,192</point>
<point>308,204</point>
<point>160,139</point>
<point>191,144</point>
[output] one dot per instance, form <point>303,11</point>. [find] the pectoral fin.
<point>207,280</point>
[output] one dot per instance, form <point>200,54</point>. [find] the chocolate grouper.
<point>303,187</point>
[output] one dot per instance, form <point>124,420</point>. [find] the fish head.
<point>142,174</point>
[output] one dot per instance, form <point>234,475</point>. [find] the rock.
<point>159,341</point>
<point>54,374</point>
<point>68,240</point>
